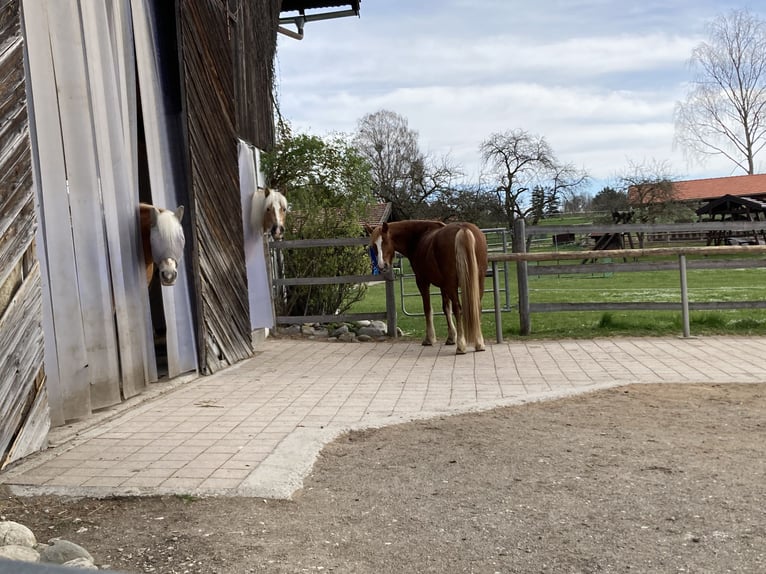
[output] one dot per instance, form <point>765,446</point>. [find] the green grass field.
<point>663,286</point>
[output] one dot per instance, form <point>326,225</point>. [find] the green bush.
<point>328,186</point>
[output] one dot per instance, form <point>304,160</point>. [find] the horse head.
<point>383,246</point>
<point>274,213</point>
<point>167,241</point>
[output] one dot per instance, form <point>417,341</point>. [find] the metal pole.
<point>684,295</point>
<point>520,246</point>
<point>496,294</point>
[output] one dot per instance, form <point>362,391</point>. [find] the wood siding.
<point>218,252</point>
<point>24,415</point>
<point>255,44</point>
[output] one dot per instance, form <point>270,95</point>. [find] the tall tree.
<point>404,176</point>
<point>609,200</point>
<point>724,113</point>
<point>517,163</point>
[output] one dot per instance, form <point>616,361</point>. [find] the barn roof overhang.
<point>312,11</point>
<point>729,204</point>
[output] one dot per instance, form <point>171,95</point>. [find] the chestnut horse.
<point>162,239</point>
<point>450,256</point>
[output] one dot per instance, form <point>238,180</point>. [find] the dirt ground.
<point>657,479</point>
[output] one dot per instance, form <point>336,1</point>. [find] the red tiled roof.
<point>376,214</point>
<point>701,189</point>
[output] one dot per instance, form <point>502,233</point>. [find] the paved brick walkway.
<point>255,429</point>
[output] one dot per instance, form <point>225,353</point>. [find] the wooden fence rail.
<point>588,261</point>
<point>589,265</point>
<point>389,315</point>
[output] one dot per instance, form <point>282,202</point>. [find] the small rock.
<point>19,553</point>
<point>16,534</point>
<point>379,325</point>
<point>343,329</point>
<point>347,337</point>
<point>61,551</point>
<point>291,330</point>
<point>363,323</point>
<point>363,338</point>
<point>372,331</point>
<point>81,563</point>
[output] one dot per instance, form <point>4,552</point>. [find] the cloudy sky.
<point>599,79</point>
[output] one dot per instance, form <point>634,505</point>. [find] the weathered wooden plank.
<point>33,435</point>
<point>255,42</point>
<point>591,268</point>
<point>341,280</point>
<point>644,306</point>
<point>119,200</point>
<point>21,340</point>
<point>16,239</point>
<point>294,320</point>
<point>68,373</point>
<point>224,325</point>
<point>744,250</point>
<point>92,270</point>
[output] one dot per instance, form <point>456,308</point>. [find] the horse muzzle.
<point>168,278</point>
<point>277,232</point>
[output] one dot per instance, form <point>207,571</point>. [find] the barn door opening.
<point>85,61</point>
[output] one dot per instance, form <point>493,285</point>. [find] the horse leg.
<point>459,318</point>
<point>425,294</point>
<point>447,308</point>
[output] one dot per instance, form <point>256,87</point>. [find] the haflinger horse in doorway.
<point>450,256</point>
<point>268,212</point>
<point>162,238</point>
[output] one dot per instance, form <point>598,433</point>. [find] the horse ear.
<point>266,191</point>
<point>384,227</point>
<point>153,215</point>
<point>179,212</point>
<point>368,229</point>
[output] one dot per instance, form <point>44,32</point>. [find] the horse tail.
<point>468,274</point>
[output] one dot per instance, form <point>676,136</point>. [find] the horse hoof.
<point>426,343</point>
<point>479,349</point>
<point>459,351</point>
<point>449,342</point>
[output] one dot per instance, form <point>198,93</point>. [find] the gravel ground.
<point>645,478</point>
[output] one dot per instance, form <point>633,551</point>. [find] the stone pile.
<point>358,331</point>
<point>17,542</point>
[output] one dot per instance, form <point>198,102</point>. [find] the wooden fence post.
<point>684,295</point>
<point>496,295</point>
<point>390,304</point>
<point>520,246</point>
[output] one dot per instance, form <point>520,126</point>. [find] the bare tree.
<point>520,163</point>
<point>651,193</point>
<point>724,113</point>
<point>402,174</point>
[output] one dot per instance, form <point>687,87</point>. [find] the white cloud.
<point>598,82</point>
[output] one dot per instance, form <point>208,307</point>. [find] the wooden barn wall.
<point>219,259</point>
<point>24,415</point>
<point>254,49</point>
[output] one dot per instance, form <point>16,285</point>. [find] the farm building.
<point>104,105</point>
<point>736,198</point>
